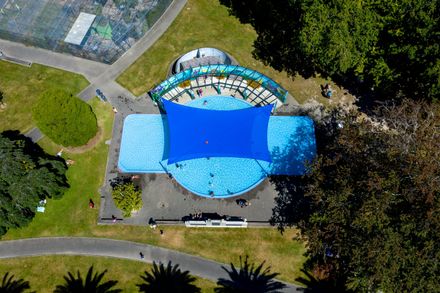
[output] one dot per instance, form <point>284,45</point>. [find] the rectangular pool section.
<point>143,144</point>
<point>291,142</point>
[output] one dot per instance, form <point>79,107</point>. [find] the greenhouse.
<point>100,30</point>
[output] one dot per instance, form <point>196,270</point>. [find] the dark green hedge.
<point>64,118</point>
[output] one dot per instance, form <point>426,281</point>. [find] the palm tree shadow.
<point>167,278</point>
<point>11,285</point>
<point>92,283</point>
<point>249,279</point>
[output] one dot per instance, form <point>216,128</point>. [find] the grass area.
<point>43,276</point>
<point>22,86</point>
<point>206,23</point>
<point>71,216</point>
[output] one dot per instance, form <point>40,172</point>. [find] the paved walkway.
<point>34,134</point>
<point>88,68</point>
<point>198,266</point>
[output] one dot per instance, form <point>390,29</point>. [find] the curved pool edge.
<point>223,196</point>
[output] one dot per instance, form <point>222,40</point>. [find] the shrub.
<point>127,197</point>
<point>64,118</point>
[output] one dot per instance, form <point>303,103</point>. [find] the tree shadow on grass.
<point>54,164</point>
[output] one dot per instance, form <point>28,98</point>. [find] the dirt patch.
<point>310,89</point>
<point>89,145</point>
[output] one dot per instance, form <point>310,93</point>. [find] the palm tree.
<point>9,285</point>
<point>249,279</point>
<point>167,279</point>
<point>92,284</point>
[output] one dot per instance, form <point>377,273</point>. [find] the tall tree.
<point>167,278</point>
<point>27,175</point>
<point>91,284</point>
<point>10,285</point>
<point>392,46</point>
<point>249,279</point>
<point>373,200</point>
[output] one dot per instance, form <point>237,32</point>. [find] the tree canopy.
<point>391,46</point>
<point>64,118</point>
<point>370,208</point>
<point>127,197</point>
<point>27,175</point>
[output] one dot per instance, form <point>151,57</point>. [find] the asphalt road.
<point>197,266</point>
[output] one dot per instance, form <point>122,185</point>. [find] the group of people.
<point>242,202</point>
<point>69,162</point>
<point>196,216</point>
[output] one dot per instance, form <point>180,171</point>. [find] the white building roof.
<point>80,28</point>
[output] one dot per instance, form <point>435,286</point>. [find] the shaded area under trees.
<point>370,208</point>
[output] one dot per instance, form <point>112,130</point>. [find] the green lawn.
<point>72,216</point>
<point>206,23</point>
<point>43,275</point>
<point>22,86</point>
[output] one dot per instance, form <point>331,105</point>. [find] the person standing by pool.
<point>242,202</point>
